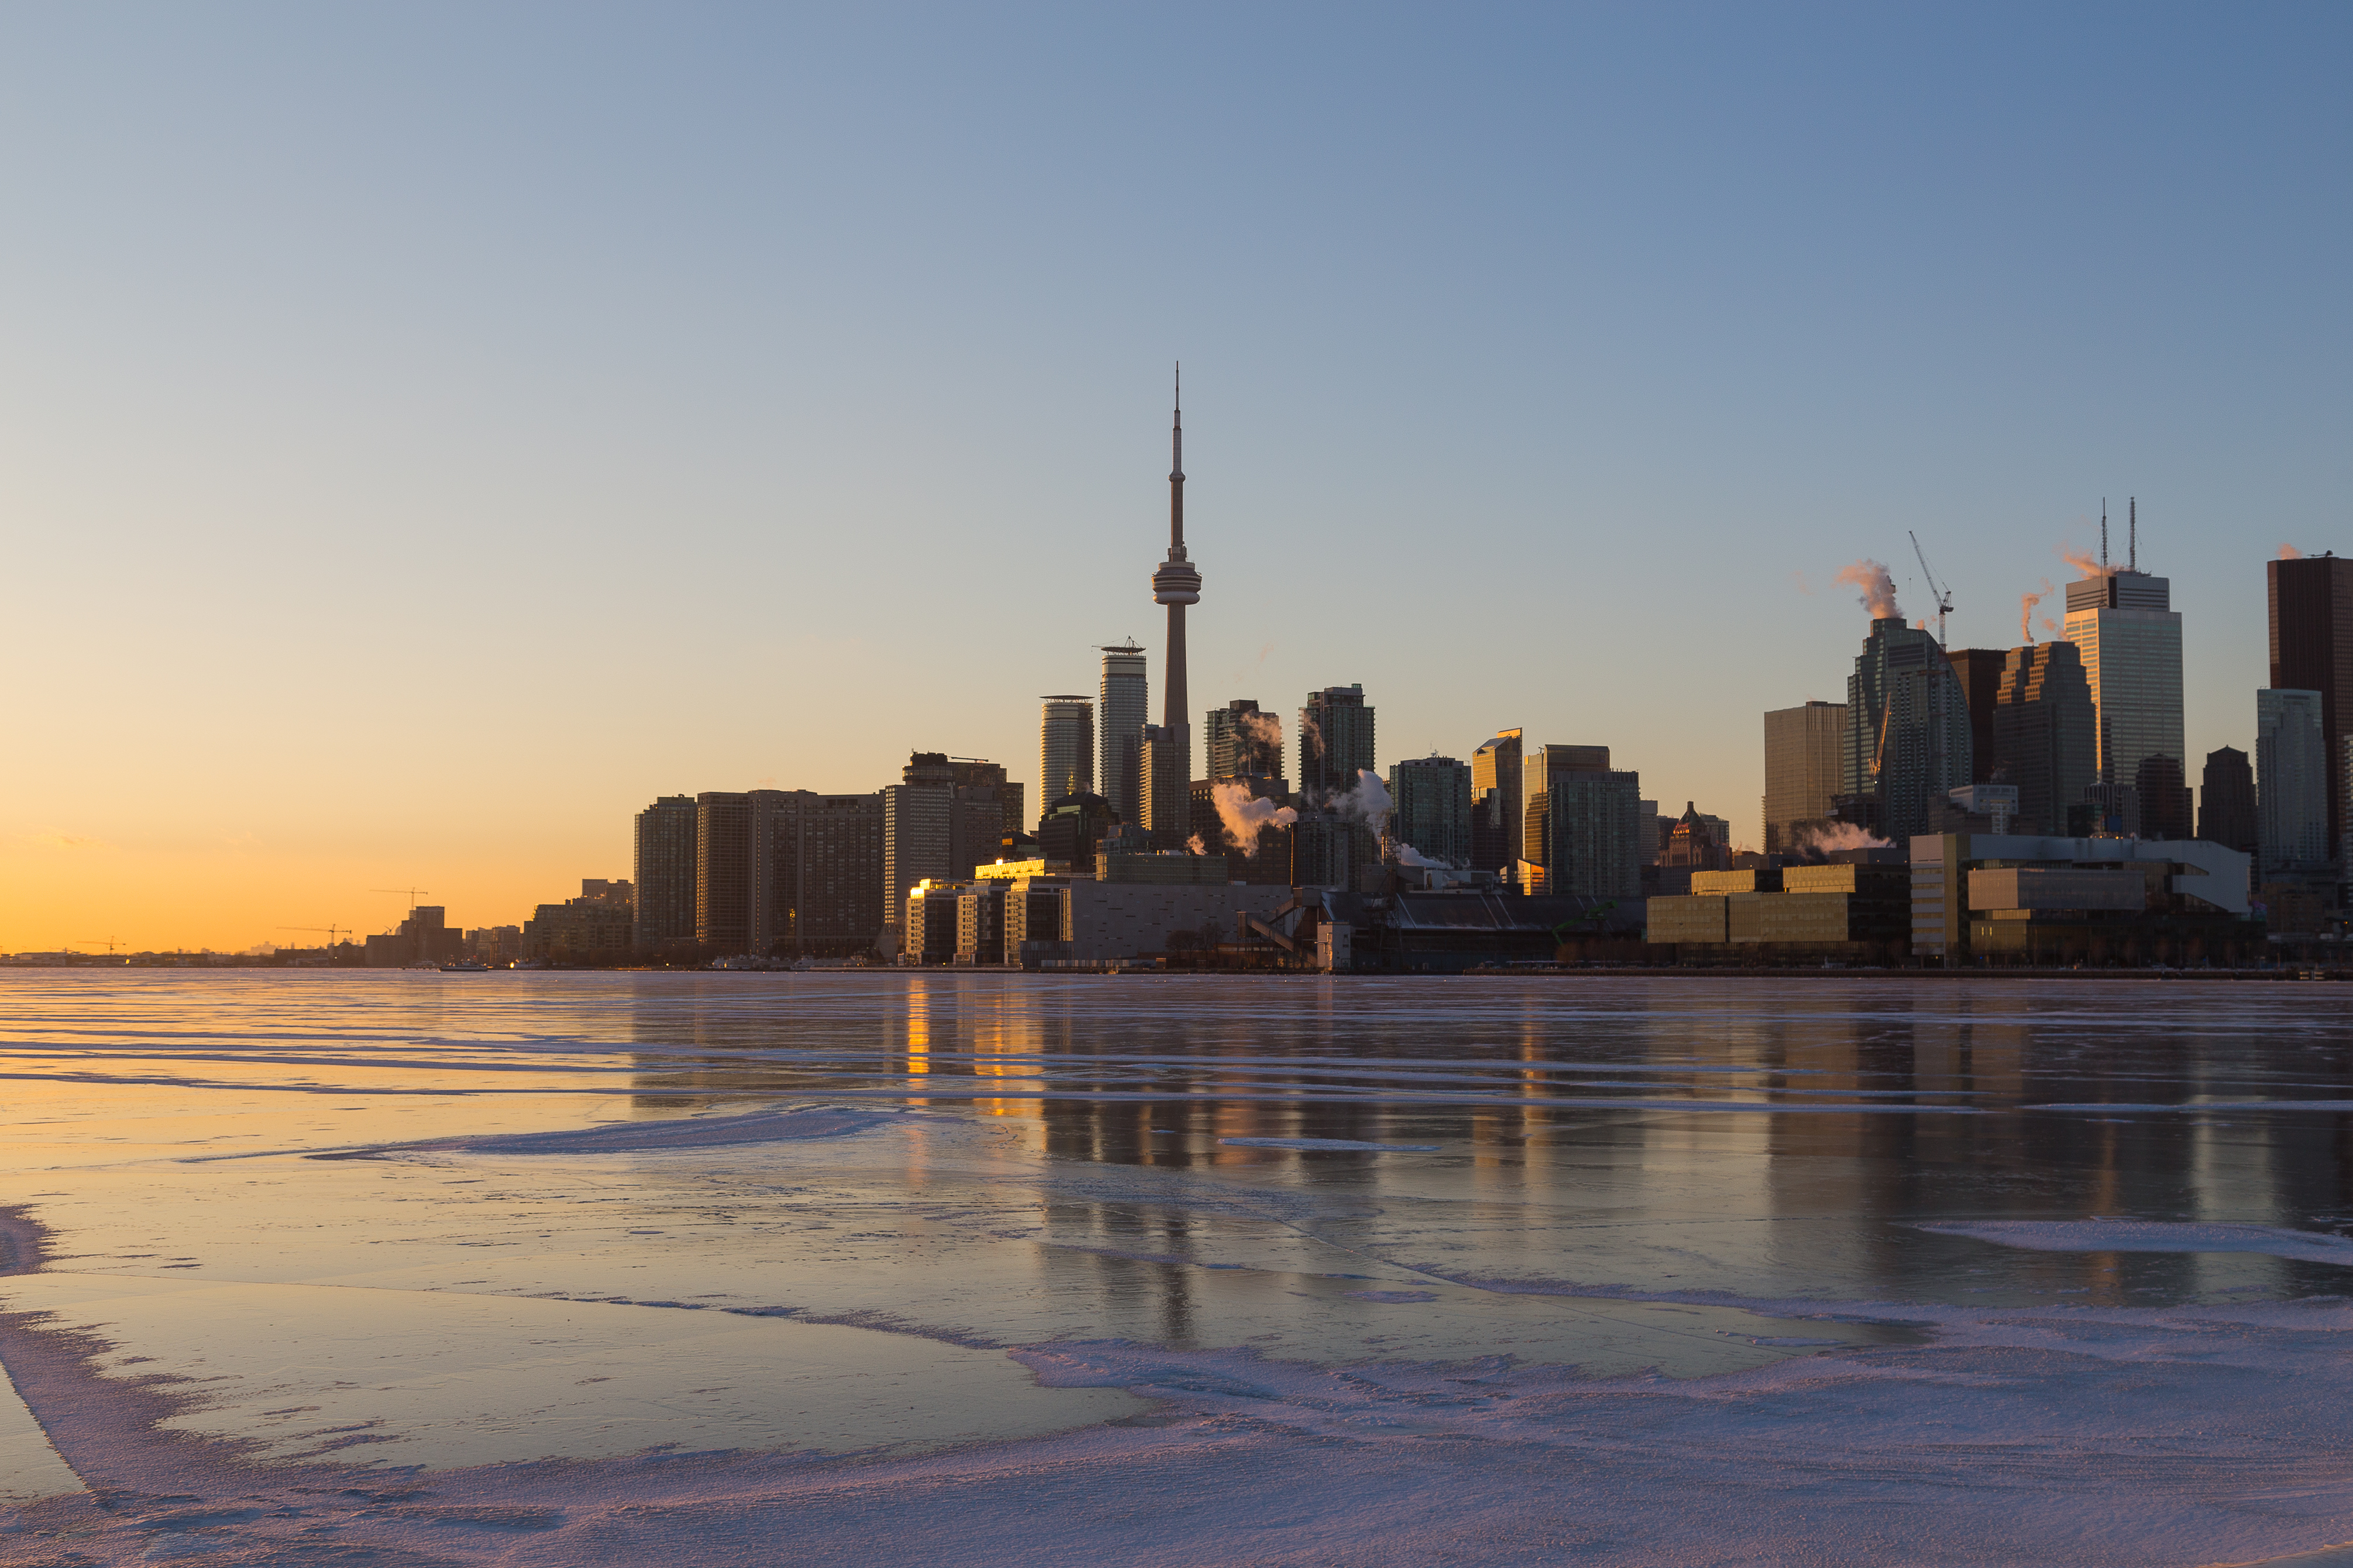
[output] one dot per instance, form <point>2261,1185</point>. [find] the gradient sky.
<point>432,431</point>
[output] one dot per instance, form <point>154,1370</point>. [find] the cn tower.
<point>1176,584</point>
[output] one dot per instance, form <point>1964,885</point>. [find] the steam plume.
<point>2084,563</point>
<point>2290,552</point>
<point>1369,802</point>
<point>1409,856</point>
<point>1193,845</point>
<point>2051,625</point>
<point>1246,815</point>
<point>2026,603</point>
<point>1878,588</point>
<point>1310,734</point>
<point>1838,835</point>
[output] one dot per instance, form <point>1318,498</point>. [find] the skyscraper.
<point>1243,742</point>
<point>2045,736</point>
<point>2130,637</point>
<point>1495,801</point>
<point>1125,710</point>
<point>1335,741</point>
<point>817,865</point>
<point>2311,603</point>
<point>1066,748</point>
<point>918,830</point>
<point>1431,807</point>
<point>2226,801</point>
<point>1907,727</point>
<point>1979,672</point>
<point>1165,798</point>
<point>1803,751</point>
<point>2291,781</point>
<point>723,872</point>
<point>1593,831</point>
<point>663,871</point>
<point>1539,773</point>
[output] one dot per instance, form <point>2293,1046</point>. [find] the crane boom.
<point>1942,594</point>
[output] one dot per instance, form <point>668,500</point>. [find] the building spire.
<point>1177,467</point>
<point>2132,536</point>
<point>2103,535</point>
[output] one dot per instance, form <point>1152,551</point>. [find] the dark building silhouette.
<point>1242,741</point>
<point>2045,734</point>
<point>664,874</point>
<point>2226,807</point>
<point>1979,671</point>
<point>2164,799</point>
<point>1068,833</point>
<point>2311,602</point>
<point>817,872</point>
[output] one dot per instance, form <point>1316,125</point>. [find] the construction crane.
<point>413,893</point>
<point>108,943</point>
<point>331,931</point>
<point>1943,594</point>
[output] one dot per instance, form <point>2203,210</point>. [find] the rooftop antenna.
<point>2132,536</point>
<point>2103,535</point>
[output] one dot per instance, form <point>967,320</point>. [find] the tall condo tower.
<point>1125,711</point>
<point>1167,771</point>
<point>2124,622</point>
<point>1066,746</point>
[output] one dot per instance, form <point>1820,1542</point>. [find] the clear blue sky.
<point>433,430</point>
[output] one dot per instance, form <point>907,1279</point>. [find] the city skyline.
<point>303,561</point>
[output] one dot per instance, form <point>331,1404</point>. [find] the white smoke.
<point>1839,836</point>
<point>1193,845</point>
<point>1311,735</point>
<point>1266,728</point>
<point>1247,816</point>
<point>1409,856</point>
<point>1368,802</point>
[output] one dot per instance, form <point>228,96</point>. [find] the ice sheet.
<point>2153,1236</point>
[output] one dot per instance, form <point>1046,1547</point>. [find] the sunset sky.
<point>432,431</point>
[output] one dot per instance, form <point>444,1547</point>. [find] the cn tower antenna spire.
<point>1175,585</point>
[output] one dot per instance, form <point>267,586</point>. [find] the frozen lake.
<point>848,1267</point>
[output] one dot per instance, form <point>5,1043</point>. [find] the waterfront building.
<point>1429,799</point>
<point>595,928</point>
<point>816,870</point>
<point>1125,710</point>
<point>1907,727</point>
<point>1243,742</point>
<point>722,872</point>
<point>1540,770</point>
<point>2044,899</point>
<point>1979,671</point>
<point>1066,748</point>
<point>2311,605</point>
<point>1072,830</point>
<point>2226,802</point>
<point>1803,751</point>
<point>2130,637</point>
<point>2292,773</point>
<point>2045,733</point>
<point>1335,741</point>
<point>663,869</point>
<point>918,834</point>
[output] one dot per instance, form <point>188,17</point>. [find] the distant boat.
<point>468,967</point>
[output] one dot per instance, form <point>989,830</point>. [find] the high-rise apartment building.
<point>1335,741</point>
<point>1804,748</point>
<point>817,872</point>
<point>1125,710</point>
<point>2292,771</point>
<point>2045,734</point>
<point>1243,742</point>
<point>1167,792</point>
<point>2311,603</point>
<point>1066,748</point>
<point>2130,637</point>
<point>918,833</point>
<point>1495,801</point>
<point>1978,669</point>
<point>2226,801</point>
<point>1429,800</point>
<point>1907,729</point>
<point>663,870</point>
<point>1594,828</point>
<point>723,872</point>
<point>979,783</point>
<point>1539,771</point>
